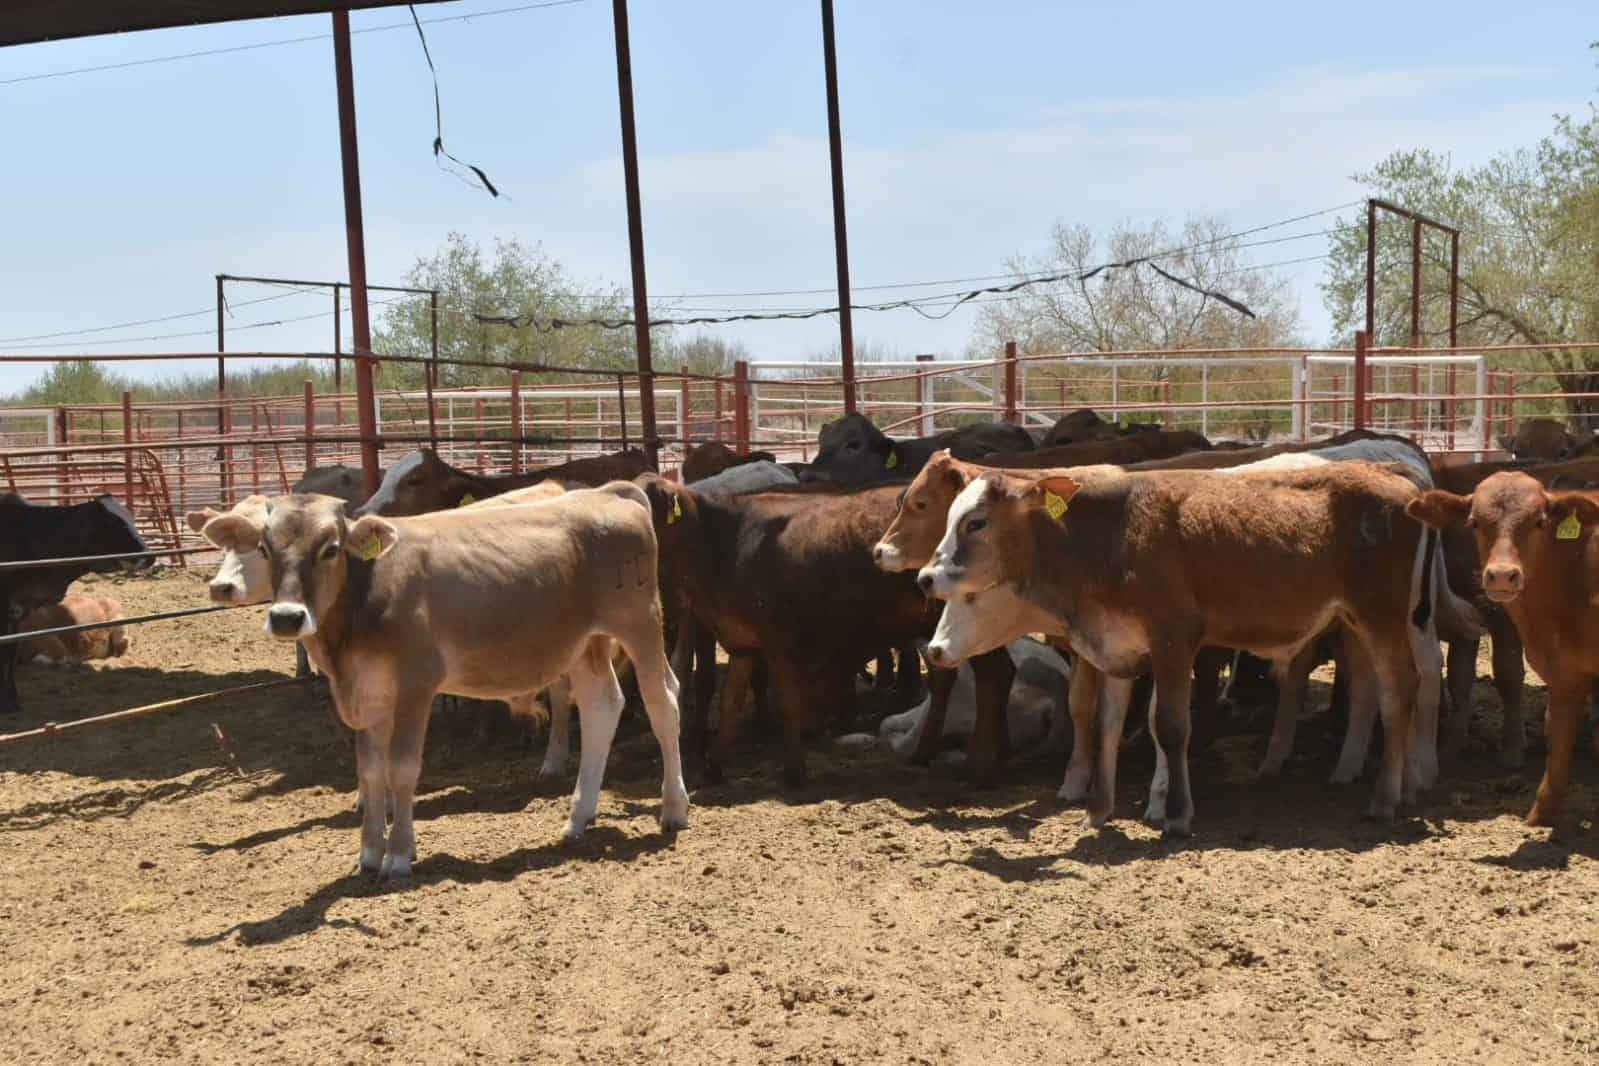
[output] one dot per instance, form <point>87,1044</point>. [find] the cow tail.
<point>1458,619</point>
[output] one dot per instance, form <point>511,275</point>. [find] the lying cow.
<point>853,451</point>
<point>489,603</point>
<point>100,527</point>
<point>1139,571</point>
<point>711,458</point>
<point>422,482</point>
<point>60,649</point>
<point>1035,712</point>
<point>1133,448</point>
<point>1541,563</point>
<point>1085,424</point>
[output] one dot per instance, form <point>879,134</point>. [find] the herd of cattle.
<point>1149,561</point>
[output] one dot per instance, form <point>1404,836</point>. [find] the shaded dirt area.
<point>155,906</point>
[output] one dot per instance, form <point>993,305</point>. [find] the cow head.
<point>985,536</point>
<point>111,530</point>
<point>309,546</point>
<point>1540,438</point>
<point>910,539</point>
<point>241,578</point>
<point>851,451</point>
<point>1076,427</point>
<point>419,483</point>
<point>1517,525</point>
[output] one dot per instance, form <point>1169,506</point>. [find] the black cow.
<point>100,527</point>
<point>345,482</point>
<point>1085,424</point>
<point>855,452</point>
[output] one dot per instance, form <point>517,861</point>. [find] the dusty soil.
<point>157,906</point>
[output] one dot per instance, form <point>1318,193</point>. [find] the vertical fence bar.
<point>310,424</point>
<point>1361,367</point>
<point>183,494</point>
<point>255,446</point>
<point>1371,273</point>
<point>127,453</point>
<point>741,406</point>
<point>1115,397</point>
<point>1300,416</point>
<point>516,421</point>
<point>835,144</point>
<point>1011,414</point>
<point>1415,402</point>
<point>635,238</point>
<point>432,375</point>
<point>1415,283</point>
<point>1165,402</point>
<point>1510,404</point>
<point>1449,411</point>
<point>224,453</point>
<point>716,421</point>
<point>924,398</point>
<point>1204,399</point>
<point>479,430</point>
<point>338,362</point>
<point>62,423</point>
<point>683,409</point>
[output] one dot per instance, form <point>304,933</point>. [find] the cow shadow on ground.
<point>601,844</point>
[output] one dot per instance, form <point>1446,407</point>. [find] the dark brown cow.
<point>791,577</point>
<point>345,482</point>
<point>1085,424</point>
<point>853,451</point>
<point>711,458</point>
<point>1541,564</point>
<point>422,482</point>
<point>1139,571</point>
<point>1132,448</point>
<point>1546,439</point>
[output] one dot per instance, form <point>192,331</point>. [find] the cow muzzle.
<point>1502,583</point>
<point>223,591</point>
<point>887,557</point>
<point>290,621</point>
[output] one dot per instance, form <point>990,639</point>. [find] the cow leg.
<point>1568,703</point>
<point>885,671</point>
<point>1291,674</point>
<point>792,705</point>
<point>1364,699</point>
<point>1396,688</point>
<point>660,690</point>
<point>558,749</point>
<point>729,711</point>
<point>1421,770</point>
<point>1208,666</point>
<point>930,736</point>
<point>599,702</point>
<point>908,681</point>
<point>1173,683</point>
<point>1114,692</point>
<point>302,661</point>
<point>1462,674</point>
<point>10,702</point>
<point>990,744</point>
<point>402,768</point>
<point>1509,674</point>
<point>1082,703</point>
<point>371,769</point>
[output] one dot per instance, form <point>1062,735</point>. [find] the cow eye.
<point>262,548</point>
<point>976,524</point>
<point>921,505</point>
<point>853,446</point>
<point>330,549</point>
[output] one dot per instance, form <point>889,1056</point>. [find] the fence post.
<point>255,446</point>
<point>310,424</point>
<point>1510,404</point>
<point>1115,394</point>
<point>741,406</point>
<point>183,499</point>
<point>1415,402</point>
<point>478,431</point>
<point>127,453</point>
<point>1165,402</point>
<point>1361,340</point>
<point>516,421</point>
<point>1011,415</point>
<point>1204,398</point>
<point>61,457</point>
<point>924,396</point>
<point>1299,415</point>
<point>1449,411</point>
<point>716,421</point>
<point>684,406</point>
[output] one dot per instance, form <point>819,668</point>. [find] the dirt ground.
<point>157,905</point>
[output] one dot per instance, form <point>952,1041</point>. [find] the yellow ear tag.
<point>1054,504</point>
<point>676,512</point>
<point>893,460</point>
<point>1570,528</point>
<point>370,548</point>
<point>467,500</point>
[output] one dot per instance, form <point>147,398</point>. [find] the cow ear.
<point>198,519</point>
<point>370,537</point>
<point>1053,494</point>
<point>1438,508</point>
<point>1581,505</point>
<point>232,532</point>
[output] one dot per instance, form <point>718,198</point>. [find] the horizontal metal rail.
<point>154,553</point>
<point>134,619</point>
<point>150,708</point>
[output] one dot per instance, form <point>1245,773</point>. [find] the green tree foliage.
<point>1529,253</point>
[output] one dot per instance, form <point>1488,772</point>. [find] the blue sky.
<point>969,130</point>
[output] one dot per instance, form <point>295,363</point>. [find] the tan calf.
<point>78,647</point>
<point>489,603</point>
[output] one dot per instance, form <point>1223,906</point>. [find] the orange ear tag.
<point>1054,504</point>
<point>1570,528</point>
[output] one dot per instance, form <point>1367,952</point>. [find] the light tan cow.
<point>489,603</point>
<point>64,648</point>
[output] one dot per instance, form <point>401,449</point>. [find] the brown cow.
<point>1161,557</point>
<point>85,644</point>
<point>422,482</point>
<point>853,451</point>
<point>488,603</point>
<point>790,577</point>
<point>1132,448</point>
<point>711,458</point>
<point>1541,563</point>
<point>1085,424</point>
<point>1546,439</point>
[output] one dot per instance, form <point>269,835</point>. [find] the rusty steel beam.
<point>1415,283</point>
<point>1362,339</point>
<point>355,241</point>
<point>635,237</point>
<point>835,147</point>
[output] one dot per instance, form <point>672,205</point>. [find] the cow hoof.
<point>1381,810</point>
<point>395,868</point>
<point>574,832</point>
<point>1097,819</point>
<point>1075,788</point>
<point>1270,767</point>
<point>1155,812</point>
<point>1343,775</point>
<point>1541,816</point>
<point>1176,828</point>
<point>370,861</point>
